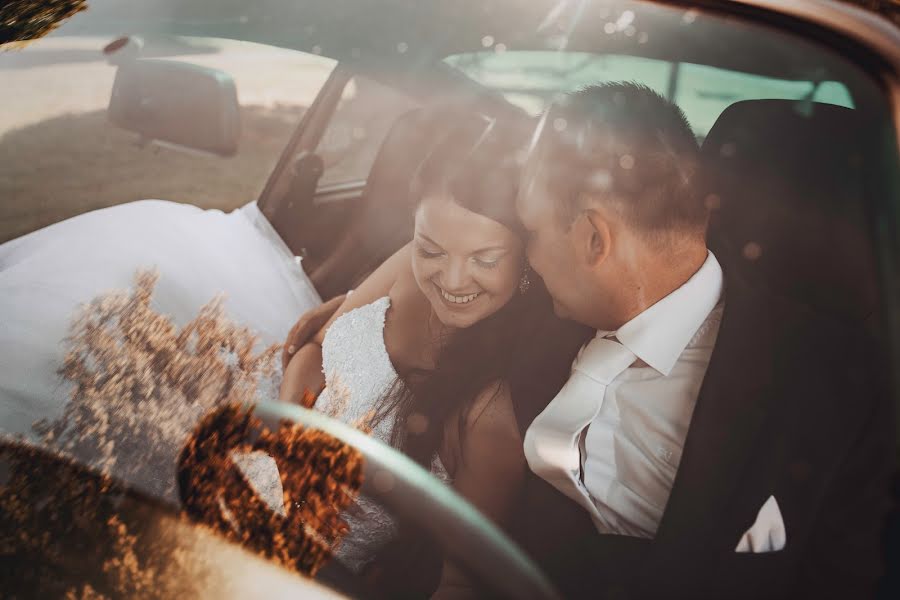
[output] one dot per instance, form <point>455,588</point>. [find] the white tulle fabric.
<point>200,254</point>
<point>358,374</point>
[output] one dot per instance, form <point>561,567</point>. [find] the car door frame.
<point>305,137</point>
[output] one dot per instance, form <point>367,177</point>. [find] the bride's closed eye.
<point>485,263</point>
<point>425,253</point>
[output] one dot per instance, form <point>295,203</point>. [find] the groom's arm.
<point>845,555</point>
<point>303,377</point>
<point>307,326</point>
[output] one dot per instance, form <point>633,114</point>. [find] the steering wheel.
<point>468,536</point>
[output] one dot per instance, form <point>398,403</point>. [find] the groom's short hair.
<point>625,145</point>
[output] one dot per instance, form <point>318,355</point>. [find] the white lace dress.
<point>358,374</point>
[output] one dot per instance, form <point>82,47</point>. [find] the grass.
<point>70,164</point>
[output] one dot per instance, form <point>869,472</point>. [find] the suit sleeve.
<point>845,555</point>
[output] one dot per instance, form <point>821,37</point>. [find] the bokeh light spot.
<point>752,251</point>
<point>417,423</point>
<point>383,481</point>
<point>712,202</point>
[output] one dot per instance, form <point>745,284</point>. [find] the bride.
<point>421,352</point>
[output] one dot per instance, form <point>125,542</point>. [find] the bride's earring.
<point>524,281</point>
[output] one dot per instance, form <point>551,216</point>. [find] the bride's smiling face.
<point>466,264</point>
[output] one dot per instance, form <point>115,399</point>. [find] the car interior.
<point>772,168</point>
<point>783,176</point>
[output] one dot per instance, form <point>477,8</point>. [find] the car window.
<point>60,156</point>
<point>704,92</point>
<point>532,79</point>
<point>365,113</point>
<point>132,348</point>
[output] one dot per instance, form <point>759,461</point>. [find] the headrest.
<point>785,181</point>
<point>388,213</point>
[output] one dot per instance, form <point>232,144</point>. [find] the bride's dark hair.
<point>474,163</point>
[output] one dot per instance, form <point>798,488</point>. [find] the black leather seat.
<point>387,211</point>
<point>787,181</point>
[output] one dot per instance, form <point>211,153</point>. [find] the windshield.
<point>532,79</point>
<point>510,298</point>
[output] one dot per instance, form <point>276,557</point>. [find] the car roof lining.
<point>425,82</point>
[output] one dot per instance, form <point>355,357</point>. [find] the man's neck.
<point>656,277</point>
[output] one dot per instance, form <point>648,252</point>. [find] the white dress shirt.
<point>631,448</point>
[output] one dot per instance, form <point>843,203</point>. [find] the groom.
<point>710,440</point>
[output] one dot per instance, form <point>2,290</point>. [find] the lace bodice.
<point>358,373</point>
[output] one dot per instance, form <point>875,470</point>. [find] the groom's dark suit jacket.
<point>792,406</point>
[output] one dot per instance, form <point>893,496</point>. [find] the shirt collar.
<point>660,334</point>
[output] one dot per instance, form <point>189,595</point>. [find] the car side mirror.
<point>178,103</point>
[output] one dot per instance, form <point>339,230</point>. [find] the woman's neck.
<point>413,347</point>
<point>438,335</point>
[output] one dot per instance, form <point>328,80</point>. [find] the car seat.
<point>786,182</point>
<point>383,222</point>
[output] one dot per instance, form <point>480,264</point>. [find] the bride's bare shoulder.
<point>380,283</point>
<point>408,303</point>
<point>383,280</point>
<point>405,331</point>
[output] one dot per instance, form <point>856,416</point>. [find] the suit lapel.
<point>725,425</point>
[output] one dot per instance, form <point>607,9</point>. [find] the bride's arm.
<point>489,470</point>
<point>304,371</point>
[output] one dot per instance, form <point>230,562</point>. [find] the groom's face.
<point>552,249</point>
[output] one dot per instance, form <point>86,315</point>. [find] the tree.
<point>23,20</point>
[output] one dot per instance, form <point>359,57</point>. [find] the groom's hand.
<point>307,326</point>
